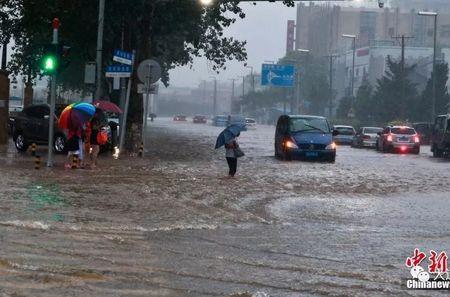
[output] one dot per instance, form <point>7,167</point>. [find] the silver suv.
<point>401,139</point>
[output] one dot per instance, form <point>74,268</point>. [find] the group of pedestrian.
<point>84,143</point>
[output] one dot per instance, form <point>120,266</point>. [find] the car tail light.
<point>403,149</point>
<point>390,138</point>
<point>416,139</point>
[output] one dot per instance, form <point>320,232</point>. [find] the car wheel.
<point>286,156</point>
<point>437,153</point>
<point>21,143</point>
<point>59,144</point>
<point>331,159</point>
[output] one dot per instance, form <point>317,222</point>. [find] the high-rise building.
<point>442,6</point>
<point>320,27</point>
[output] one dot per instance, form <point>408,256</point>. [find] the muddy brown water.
<point>171,224</point>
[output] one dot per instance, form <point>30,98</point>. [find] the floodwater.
<point>171,224</point>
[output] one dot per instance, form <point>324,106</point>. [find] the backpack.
<point>102,137</point>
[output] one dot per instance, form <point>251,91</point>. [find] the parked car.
<point>220,121</point>
<point>366,137</point>
<point>345,136</point>
<point>402,139</point>
<point>304,136</point>
<point>31,126</point>
<point>179,118</point>
<point>440,139</point>
<point>250,123</point>
<point>199,119</point>
<point>425,131</point>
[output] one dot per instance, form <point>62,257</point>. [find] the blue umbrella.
<point>228,134</point>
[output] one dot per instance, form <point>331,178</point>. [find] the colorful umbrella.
<point>75,115</point>
<point>107,106</point>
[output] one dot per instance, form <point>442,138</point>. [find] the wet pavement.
<point>171,224</point>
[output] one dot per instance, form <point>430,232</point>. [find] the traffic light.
<point>54,58</point>
<point>49,64</point>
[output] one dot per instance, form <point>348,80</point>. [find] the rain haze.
<point>319,168</point>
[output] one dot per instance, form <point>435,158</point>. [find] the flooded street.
<point>171,224</point>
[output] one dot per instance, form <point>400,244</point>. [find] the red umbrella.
<point>107,106</point>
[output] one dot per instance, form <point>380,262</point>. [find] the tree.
<point>364,104</point>
<point>314,85</point>
<point>170,31</point>
<point>344,107</point>
<point>395,93</point>
<point>423,108</point>
<point>254,101</point>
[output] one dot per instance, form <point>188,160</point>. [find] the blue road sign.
<point>277,75</point>
<point>122,57</point>
<point>118,71</point>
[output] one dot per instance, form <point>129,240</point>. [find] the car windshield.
<point>345,130</point>
<point>406,131</point>
<point>372,130</point>
<point>312,125</point>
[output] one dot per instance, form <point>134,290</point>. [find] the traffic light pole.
<point>51,122</point>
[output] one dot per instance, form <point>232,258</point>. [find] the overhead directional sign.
<point>277,75</point>
<point>118,71</point>
<point>123,57</point>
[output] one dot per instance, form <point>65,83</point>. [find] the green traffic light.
<point>49,64</point>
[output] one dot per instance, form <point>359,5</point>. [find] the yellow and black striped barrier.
<point>37,162</point>
<point>141,150</point>
<point>74,161</point>
<point>33,149</point>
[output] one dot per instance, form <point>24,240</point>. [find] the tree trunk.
<point>142,44</point>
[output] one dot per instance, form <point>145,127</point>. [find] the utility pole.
<point>252,77</point>
<point>215,96</point>
<point>232,94</point>
<point>101,14</point>
<point>330,106</point>
<point>402,39</point>
<point>51,122</point>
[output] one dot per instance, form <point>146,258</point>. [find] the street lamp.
<point>433,103</point>
<point>206,2</point>
<point>353,63</point>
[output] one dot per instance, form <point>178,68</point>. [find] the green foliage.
<point>423,106</point>
<point>344,107</point>
<point>314,84</point>
<point>263,99</point>
<point>364,103</point>
<point>395,94</point>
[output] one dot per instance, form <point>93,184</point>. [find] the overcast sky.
<point>264,29</point>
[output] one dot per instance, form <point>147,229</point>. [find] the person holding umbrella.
<point>232,151</point>
<point>73,118</point>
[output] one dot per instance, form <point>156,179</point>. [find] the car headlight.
<point>290,144</point>
<point>331,146</point>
